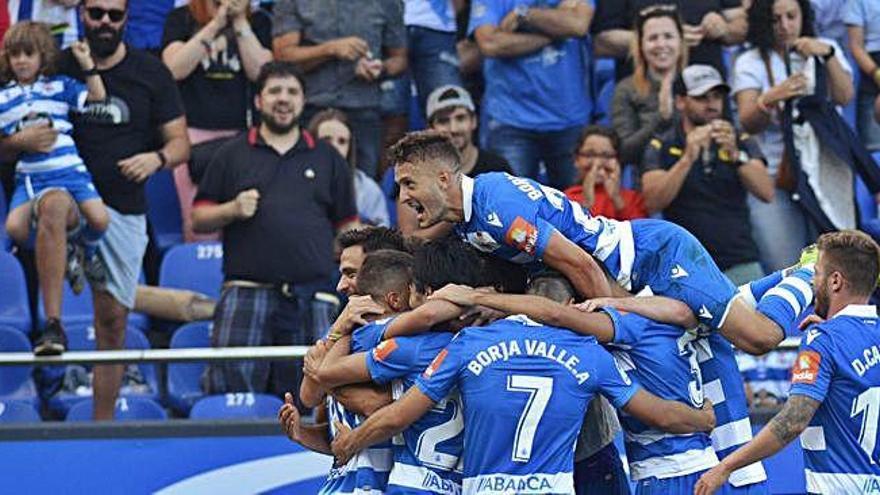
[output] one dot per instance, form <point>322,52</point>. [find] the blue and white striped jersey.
<point>525,388</point>
<point>837,365</point>
<point>367,472</point>
<point>49,100</point>
<point>427,455</point>
<point>662,359</point>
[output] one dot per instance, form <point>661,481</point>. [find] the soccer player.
<point>525,387</point>
<point>661,358</point>
<point>522,221</point>
<point>838,425</point>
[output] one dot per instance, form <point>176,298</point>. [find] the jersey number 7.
<point>539,389</point>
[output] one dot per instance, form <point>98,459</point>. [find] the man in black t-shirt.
<point>451,109</point>
<point>117,139</point>
<point>278,195</point>
<point>698,174</point>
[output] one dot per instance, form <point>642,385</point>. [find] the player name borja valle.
<point>503,351</point>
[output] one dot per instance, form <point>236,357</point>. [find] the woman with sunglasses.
<point>598,187</point>
<point>786,63</point>
<point>643,103</point>
<point>214,49</point>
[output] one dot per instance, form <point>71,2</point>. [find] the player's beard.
<point>101,46</point>
<point>821,302</point>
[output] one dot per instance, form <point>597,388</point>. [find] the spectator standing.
<point>709,26</point>
<point>117,139</point>
<point>60,15</point>
<point>535,62</point>
<point>762,84</point>
<point>345,51</point>
<point>829,20</point>
<point>332,126</point>
<point>274,261</point>
<point>862,18</point>
<point>214,50</point>
<point>451,109</point>
<point>643,102</point>
<point>699,174</point>
<point>598,187</point>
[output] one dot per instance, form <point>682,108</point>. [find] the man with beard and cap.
<point>835,379</point>
<point>117,139</point>
<point>279,195</point>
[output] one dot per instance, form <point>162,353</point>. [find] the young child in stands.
<point>36,101</point>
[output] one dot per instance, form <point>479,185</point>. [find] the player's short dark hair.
<point>278,69</point>
<point>425,148</point>
<point>855,255</point>
<point>385,271</point>
<point>552,285</point>
<point>503,275</point>
<point>372,239</point>
<point>446,261</point>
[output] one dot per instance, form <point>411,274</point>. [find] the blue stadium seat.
<point>236,405</point>
<point>81,337</point>
<point>14,308</point>
<point>602,110</point>
<point>78,310</point>
<point>163,210</point>
<point>604,71</point>
<point>18,412</point>
<point>197,267</point>
<point>16,383</point>
<point>127,409</point>
<point>184,379</point>
<point>5,241</point>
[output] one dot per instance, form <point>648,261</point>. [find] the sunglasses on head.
<point>97,14</point>
<point>655,10</point>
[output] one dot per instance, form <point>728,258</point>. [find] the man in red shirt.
<point>598,169</point>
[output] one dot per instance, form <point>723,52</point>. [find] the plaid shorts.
<point>261,317</point>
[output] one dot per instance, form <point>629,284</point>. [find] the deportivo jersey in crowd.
<point>837,366</point>
<point>366,473</point>
<point>514,218</point>
<point>428,454</point>
<point>525,389</point>
<point>662,359</point>
<point>723,385</point>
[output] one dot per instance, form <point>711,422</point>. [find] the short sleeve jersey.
<point>514,218</point>
<point>837,365</point>
<point>367,470</point>
<point>427,460</point>
<point>525,389</point>
<point>662,359</point>
<point>49,100</point>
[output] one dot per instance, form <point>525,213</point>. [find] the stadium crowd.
<point>618,210</point>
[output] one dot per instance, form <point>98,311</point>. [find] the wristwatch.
<point>830,53</point>
<point>741,159</point>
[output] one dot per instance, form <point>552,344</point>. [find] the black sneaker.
<point>75,272</point>
<point>95,271</point>
<point>53,341</point>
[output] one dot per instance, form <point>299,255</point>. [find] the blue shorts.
<point>601,474</point>
<point>674,264</point>
<point>76,180</point>
<point>760,488</point>
<point>677,485</point>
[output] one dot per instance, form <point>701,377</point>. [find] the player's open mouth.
<point>417,207</point>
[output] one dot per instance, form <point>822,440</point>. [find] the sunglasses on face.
<point>97,14</point>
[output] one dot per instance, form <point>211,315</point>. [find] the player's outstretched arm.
<point>363,398</point>
<point>313,437</point>
<point>657,308</point>
<point>794,417</point>
<point>669,415</point>
<point>578,266</point>
<point>422,319</point>
<point>343,370</point>
<point>382,425</point>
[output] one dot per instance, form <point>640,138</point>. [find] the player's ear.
<point>395,300</point>
<point>836,281</point>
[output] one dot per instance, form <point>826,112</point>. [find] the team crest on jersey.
<point>384,349</point>
<point>435,364</point>
<point>806,367</point>
<point>523,236</point>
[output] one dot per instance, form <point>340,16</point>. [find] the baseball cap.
<point>449,96</point>
<point>699,79</point>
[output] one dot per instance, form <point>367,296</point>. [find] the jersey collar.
<point>859,311</point>
<point>467,196</point>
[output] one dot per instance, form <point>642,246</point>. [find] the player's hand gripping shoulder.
<point>354,315</point>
